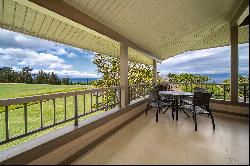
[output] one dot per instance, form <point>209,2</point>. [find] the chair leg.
<point>166,109</point>
<point>212,117</point>
<point>157,112</point>
<point>186,113</point>
<point>195,122</point>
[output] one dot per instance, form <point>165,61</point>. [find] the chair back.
<point>153,96</point>
<point>163,87</point>
<point>202,98</point>
<point>198,89</point>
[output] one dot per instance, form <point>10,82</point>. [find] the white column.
<point>124,75</point>
<point>234,63</point>
<point>154,72</point>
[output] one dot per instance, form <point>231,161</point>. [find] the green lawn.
<point>21,90</point>
<point>16,113</point>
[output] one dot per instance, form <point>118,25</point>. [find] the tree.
<point>65,81</point>
<point>42,77</point>
<point>53,79</point>
<point>187,78</point>
<point>109,68</point>
<point>25,75</point>
<point>8,75</point>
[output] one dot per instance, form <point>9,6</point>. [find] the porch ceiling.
<point>162,28</point>
<point>167,27</point>
<point>26,17</point>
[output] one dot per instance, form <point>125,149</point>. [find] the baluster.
<point>224,92</point>
<point>76,110</point>
<point>84,104</point>
<point>245,93</point>
<point>7,123</point>
<point>65,108</point>
<point>91,98</point>
<point>25,118</point>
<point>107,102</point>
<point>119,93</point>
<point>54,110</point>
<point>41,113</point>
<point>97,105</point>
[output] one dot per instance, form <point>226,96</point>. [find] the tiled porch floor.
<point>144,141</point>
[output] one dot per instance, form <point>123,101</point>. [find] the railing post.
<point>234,64</point>
<point>76,110</point>
<point>124,75</point>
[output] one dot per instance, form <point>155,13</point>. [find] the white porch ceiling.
<point>162,27</point>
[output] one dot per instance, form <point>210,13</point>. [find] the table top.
<point>176,93</point>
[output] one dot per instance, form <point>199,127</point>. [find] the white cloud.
<point>20,57</point>
<point>207,61</point>
<point>71,55</point>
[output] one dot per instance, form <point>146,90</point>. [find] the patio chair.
<point>189,100</point>
<point>167,99</point>
<point>200,105</point>
<point>155,102</point>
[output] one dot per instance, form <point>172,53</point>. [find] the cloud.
<point>207,61</point>
<point>23,57</point>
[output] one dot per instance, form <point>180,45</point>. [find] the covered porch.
<point>145,32</point>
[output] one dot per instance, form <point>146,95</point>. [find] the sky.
<point>18,50</point>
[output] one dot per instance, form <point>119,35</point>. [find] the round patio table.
<point>176,95</point>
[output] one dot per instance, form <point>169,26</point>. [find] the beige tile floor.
<point>144,141</point>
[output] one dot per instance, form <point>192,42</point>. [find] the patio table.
<point>176,95</point>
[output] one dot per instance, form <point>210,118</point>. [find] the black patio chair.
<point>167,99</point>
<point>200,105</point>
<point>189,100</point>
<point>155,102</point>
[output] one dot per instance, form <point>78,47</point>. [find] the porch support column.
<point>154,72</point>
<point>124,75</point>
<point>234,63</point>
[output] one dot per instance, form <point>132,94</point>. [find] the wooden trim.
<point>62,8</point>
<point>230,103</point>
<point>232,113</point>
<point>239,15</point>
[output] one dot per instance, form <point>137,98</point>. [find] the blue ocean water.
<point>219,78</point>
<point>74,80</point>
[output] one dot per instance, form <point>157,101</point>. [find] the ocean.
<point>219,78</point>
<point>74,80</point>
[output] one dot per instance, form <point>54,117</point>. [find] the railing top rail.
<point>35,98</point>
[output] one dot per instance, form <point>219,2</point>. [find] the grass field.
<point>21,90</point>
<point>16,114</point>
